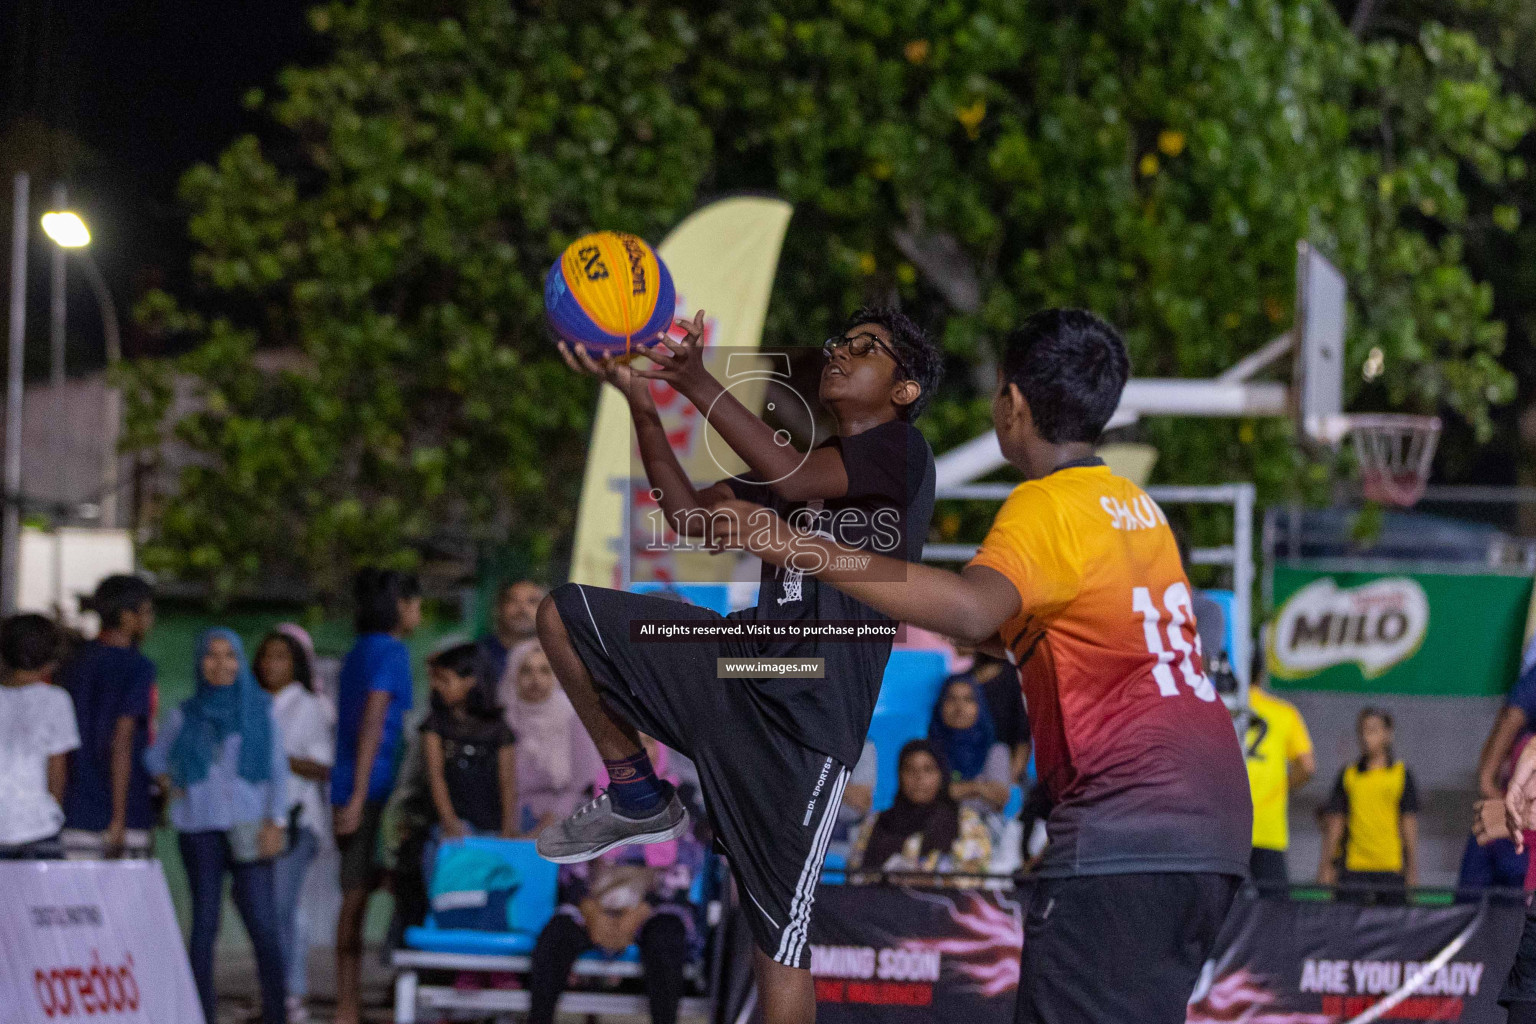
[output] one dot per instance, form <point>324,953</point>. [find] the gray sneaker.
<point>595,828</point>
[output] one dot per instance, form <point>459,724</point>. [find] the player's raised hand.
<point>679,361</point>
<point>609,369</point>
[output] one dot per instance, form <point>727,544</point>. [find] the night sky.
<point>147,88</point>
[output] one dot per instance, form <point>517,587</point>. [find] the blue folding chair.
<point>486,875</point>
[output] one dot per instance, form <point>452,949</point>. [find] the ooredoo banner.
<point>91,941</point>
<point>924,956</point>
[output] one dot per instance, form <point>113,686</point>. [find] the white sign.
<point>58,567</point>
<point>91,941</point>
<point>1376,626</point>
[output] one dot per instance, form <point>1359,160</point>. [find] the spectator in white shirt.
<point>285,668</point>
<point>37,728</point>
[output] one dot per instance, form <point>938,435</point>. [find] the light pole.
<point>68,231</point>
<point>10,520</point>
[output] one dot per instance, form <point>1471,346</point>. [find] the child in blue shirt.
<point>373,696</point>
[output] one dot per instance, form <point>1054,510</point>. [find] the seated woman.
<point>556,760</point>
<point>980,768</point>
<point>925,830</point>
<point>635,894</point>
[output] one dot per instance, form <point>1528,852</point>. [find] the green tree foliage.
<point>1499,231</point>
<point>1156,161</point>
<point>429,173</point>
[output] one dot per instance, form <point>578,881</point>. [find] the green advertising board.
<point>1426,634</point>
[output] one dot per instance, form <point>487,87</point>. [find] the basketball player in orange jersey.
<point>1080,582</point>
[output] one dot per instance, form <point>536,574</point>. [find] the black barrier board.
<point>898,955</point>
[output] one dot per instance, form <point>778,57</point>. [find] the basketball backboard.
<point>1317,384</point>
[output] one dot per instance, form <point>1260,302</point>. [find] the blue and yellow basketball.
<point>610,292</point>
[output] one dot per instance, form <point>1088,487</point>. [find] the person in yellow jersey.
<point>1278,749</point>
<point>1371,820</point>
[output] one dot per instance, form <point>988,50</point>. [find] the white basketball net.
<point>1394,452</point>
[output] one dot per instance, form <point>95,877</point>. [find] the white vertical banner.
<point>723,258</point>
<point>95,940</point>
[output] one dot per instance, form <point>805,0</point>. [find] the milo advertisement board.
<point>1427,634</point>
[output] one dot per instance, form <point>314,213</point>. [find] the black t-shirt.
<point>471,750</point>
<point>886,511</point>
<point>1005,699</point>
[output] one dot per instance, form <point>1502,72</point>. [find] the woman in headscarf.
<point>556,760</point>
<point>962,731</point>
<point>925,830</point>
<point>221,755</point>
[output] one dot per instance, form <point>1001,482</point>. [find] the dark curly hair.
<point>923,361</point>
<point>1071,367</point>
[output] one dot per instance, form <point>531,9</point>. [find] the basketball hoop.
<point>1394,451</point>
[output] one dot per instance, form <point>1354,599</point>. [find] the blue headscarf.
<point>965,749</point>
<point>212,713</point>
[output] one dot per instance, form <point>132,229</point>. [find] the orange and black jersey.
<point>1138,755</point>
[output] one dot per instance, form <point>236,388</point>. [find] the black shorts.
<point>771,800</point>
<point>359,851</point>
<point>1119,947</point>
<point>1520,986</point>
<point>1268,870</point>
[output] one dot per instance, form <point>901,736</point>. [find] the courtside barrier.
<point>921,955</point>
<point>91,941</point>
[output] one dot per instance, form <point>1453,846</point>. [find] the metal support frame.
<point>411,996</point>
<point>1238,555</point>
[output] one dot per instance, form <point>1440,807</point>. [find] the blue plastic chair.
<point>528,911</point>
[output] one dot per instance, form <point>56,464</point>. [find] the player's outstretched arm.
<point>678,495</point>
<point>797,477</point>
<point>968,606</point>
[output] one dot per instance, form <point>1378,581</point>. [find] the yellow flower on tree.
<point>1148,165</point>
<point>971,117</point>
<point>867,263</point>
<point>916,51</point>
<point>1170,142</point>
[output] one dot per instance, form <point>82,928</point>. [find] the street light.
<point>66,228</point>
<point>68,231</point>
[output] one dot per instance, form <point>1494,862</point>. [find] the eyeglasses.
<point>863,345</point>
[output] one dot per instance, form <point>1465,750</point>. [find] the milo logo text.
<point>1376,626</point>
